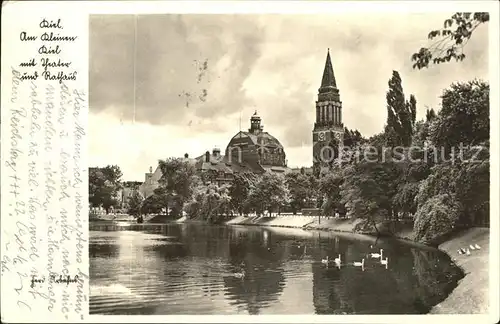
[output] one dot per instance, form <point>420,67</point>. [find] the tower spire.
<point>328,81</point>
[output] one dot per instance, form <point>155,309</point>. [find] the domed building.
<point>256,148</point>
<point>253,151</point>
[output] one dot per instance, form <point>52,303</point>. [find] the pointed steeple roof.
<point>328,81</point>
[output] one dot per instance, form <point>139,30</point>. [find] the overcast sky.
<point>269,63</point>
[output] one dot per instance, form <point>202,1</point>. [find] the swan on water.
<point>477,247</point>
<point>359,264</point>
<point>385,262</point>
<point>377,255</point>
<point>472,247</point>
<point>325,261</point>
<point>468,252</point>
<point>337,260</point>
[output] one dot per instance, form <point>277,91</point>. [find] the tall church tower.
<point>328,132</point>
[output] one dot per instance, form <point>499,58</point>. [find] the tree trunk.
<point>375,225</point>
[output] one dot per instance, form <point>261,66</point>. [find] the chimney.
<point>216,152</point>
<point>207,156</point>
<point>150,169</point>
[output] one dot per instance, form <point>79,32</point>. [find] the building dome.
<point>256,147</point>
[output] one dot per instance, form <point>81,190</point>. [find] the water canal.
<point>198,269</point>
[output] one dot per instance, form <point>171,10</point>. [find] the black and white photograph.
<point>289,164</point>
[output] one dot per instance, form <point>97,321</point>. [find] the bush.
<point>436,218</point>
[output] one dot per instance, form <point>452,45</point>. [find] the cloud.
<point>269,63</point>
<point>186,66</point>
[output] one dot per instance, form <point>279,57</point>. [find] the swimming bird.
<point>359,264</point>
<point>337,260</point>
<point>477,247</point>
<point>460,252</point>
<point>472,247</point>
<point>385,262</point>
<point>377,255</point>
<point>325,261</point>
<point>468,252</point>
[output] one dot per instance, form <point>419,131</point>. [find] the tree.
<point>270,193</point>
<point>363,197</point>
<point>299,187</point>
<point>209,202</point>
<point>464,118</point>
<point>465,178</point>
<point>352,138</point>
<point>460,132</point>
<point>135,203</point>
<point>176,183</point>
<point>216,202</point>
<point>329,188</point>
<point>414,167</point>
<point>473,185</point>
<point>240,189</point>
<point>456,33</point>
<point>401,114</point>
<point>436,218</point>
<point>152,205</point>
<point>104,184</point>
<point>430,114</point>
<point>194,206</point>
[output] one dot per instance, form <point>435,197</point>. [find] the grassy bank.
<point>471,296</point>
<point>472,293</point>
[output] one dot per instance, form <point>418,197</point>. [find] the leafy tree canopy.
<point>104,184</point>
<point>454,35</point>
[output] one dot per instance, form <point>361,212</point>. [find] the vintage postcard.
<point>249,161</point>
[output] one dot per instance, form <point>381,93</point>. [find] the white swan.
<point>377,255</point>
<point>385,262</point>
<point>472,247</point>
<point>359,264</point>
<point>325,261</point>
<point>337,260</point>
<point>477,247</point>
<point>468,252</point>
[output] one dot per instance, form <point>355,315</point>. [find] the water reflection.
<point>199,269</point>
